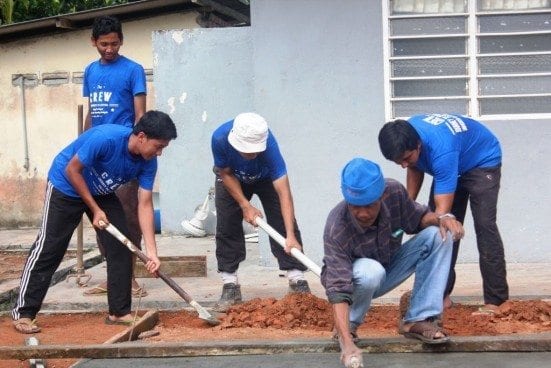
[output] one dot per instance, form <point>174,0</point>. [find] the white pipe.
<point>294,251</point>
<point>24,114</point>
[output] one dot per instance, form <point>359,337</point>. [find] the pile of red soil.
<point>298,316</point>
<point>293,311</point>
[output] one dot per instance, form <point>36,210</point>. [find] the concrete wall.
<point>51,110</point>
<point>317,76</point>
<point>304,69</point>
<point>203,78</point>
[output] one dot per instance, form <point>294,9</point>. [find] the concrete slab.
<point>503,343</point>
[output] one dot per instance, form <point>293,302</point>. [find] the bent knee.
<point>368,273</point>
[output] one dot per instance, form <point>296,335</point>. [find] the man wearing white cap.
<point>247,161</point>
<point>365,258</point>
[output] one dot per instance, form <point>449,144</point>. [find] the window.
<point>477,57</point>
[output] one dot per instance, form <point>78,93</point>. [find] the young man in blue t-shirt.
<point>116,90</point>
<point>247,161</point>
<point>82,179</point>
<point>464,158</point>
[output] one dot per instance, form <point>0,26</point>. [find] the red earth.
<point>298,316</point>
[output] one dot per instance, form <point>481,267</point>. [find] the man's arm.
<point>443,203</point>
<point>446,222</point>
<point>74,173</point>
<point>340,318</point>
<point>147,225</point>
<point>414,181</point>
<point>283,190</point>
<point>139,106</point>
<point>233,186</point>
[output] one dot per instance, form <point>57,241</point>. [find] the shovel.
<point>203,313</point>
<point>294,251</point>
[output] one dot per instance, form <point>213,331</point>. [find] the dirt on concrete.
<point>297,316</point>
<point>12,263</point>
<point>305,315</point>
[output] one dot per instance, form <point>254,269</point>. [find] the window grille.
<point>484,58</point>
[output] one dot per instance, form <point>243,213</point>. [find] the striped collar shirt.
<point>345,240</point>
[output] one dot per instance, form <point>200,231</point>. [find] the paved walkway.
<point>527,281</point>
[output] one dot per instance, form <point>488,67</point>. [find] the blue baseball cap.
<point>362,182</point>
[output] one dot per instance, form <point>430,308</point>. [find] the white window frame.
<point>472,56</point>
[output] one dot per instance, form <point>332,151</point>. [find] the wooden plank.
<point>177,266</point>
<point>145,323</point>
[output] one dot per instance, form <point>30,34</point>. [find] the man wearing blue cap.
<point>365,258</point>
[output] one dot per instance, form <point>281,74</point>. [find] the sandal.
<point>354,335</point>
<point>26,326</point>
<point>96,290</point>
<point>109,321</point>
<point>139,292</point>
<point>426,332</point>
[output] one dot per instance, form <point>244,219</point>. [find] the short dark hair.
<point>397,137</point>
<point>156,125</point>
<point>104,25</point>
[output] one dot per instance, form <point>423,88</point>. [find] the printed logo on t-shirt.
<point>454,123</point>
<point>103,183</point>
<point>246,178</point>
<point>100,102</point>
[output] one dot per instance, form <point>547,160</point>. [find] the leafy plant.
<point>14,11</point>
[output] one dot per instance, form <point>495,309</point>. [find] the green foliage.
<point>6,11</point>
<point>14,11</point>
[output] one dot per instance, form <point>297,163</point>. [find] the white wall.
<point>51,111</point>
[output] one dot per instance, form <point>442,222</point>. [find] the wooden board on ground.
<point>177,266</point>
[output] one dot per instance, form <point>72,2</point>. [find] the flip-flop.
<point>96,290</point>
<point>139,292</point>
<point>26,326</point>
<point>109,321</point>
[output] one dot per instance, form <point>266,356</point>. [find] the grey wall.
<point>523,209</point>
<point>318,81</point>
<point>315,71</point>
<point>203,77</point>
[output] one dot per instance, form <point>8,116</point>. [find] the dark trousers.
<point>230,240</point>
<point>128,197</point>
<point>59,220</point>
<point>481,187</point>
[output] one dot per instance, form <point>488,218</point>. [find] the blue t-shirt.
<point>111,88</point>
<point>267,165</point>
<point>103,150</point>
<point>452,145</point>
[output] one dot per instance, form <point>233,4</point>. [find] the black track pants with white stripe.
<point>61,216</point>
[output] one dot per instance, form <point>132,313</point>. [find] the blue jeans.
<point>426,255</point>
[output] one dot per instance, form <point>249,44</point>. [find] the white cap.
<point>249,133</point>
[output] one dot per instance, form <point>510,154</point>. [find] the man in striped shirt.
<point>365,258</point>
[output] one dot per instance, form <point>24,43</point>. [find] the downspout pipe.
<point>24,119</point>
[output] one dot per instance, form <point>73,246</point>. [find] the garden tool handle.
<point>111,229</point>
<point>294,251</point>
